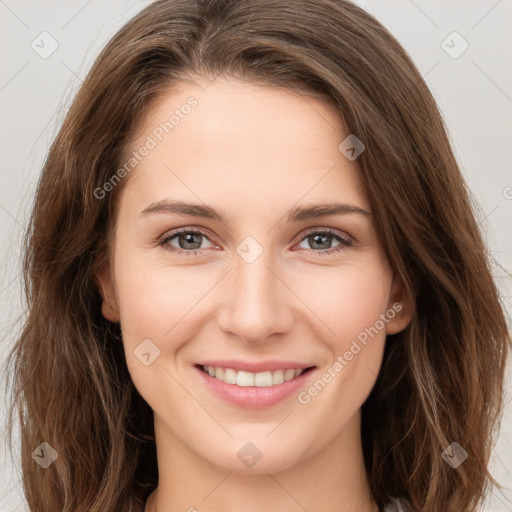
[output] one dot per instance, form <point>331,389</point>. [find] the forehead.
<point>229,140</point>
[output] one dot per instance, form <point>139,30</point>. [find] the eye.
<point>189,241</point>
<point>321,239</point>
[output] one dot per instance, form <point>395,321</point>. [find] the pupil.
<point>325,244</point>
<point>189,239</point>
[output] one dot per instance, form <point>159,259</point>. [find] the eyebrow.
<point>299,214</point>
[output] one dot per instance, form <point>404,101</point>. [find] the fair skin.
<point>253,153</point>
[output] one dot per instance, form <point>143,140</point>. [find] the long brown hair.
<point>442,377</point>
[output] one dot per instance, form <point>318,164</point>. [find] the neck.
<point>333,480</point>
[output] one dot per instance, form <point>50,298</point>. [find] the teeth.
<point>262,379</point>
<point>245,379</point>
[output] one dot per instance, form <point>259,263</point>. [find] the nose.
<point>257,303</point>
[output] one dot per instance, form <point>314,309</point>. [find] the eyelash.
<point>344,241</point>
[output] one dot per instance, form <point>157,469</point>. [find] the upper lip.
<point>254,367</point>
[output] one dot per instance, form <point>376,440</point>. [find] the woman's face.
<point>266,283</point>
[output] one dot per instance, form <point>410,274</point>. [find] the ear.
<point>402,303</point>
<point>104,283</point>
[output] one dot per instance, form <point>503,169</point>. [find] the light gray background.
<point>474,92</point>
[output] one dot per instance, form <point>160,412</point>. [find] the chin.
<point>247,459</point>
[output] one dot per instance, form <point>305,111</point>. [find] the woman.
<point>256,368</point>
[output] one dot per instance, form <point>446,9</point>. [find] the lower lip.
<point>253,397</point>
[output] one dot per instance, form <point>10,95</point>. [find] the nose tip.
<point>256,305</point>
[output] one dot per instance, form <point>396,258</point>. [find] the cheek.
<point>352,333</point>
<point>159,302</point>
<point>153,300</point>
<point>346,299</point>
<point>351,307</point>
<point>156,305</point>
<point>155,294</point>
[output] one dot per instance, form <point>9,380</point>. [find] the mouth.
<point>253,390</point>
<point>268,378</point>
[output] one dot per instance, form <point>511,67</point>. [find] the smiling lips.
<point>253,385</point>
